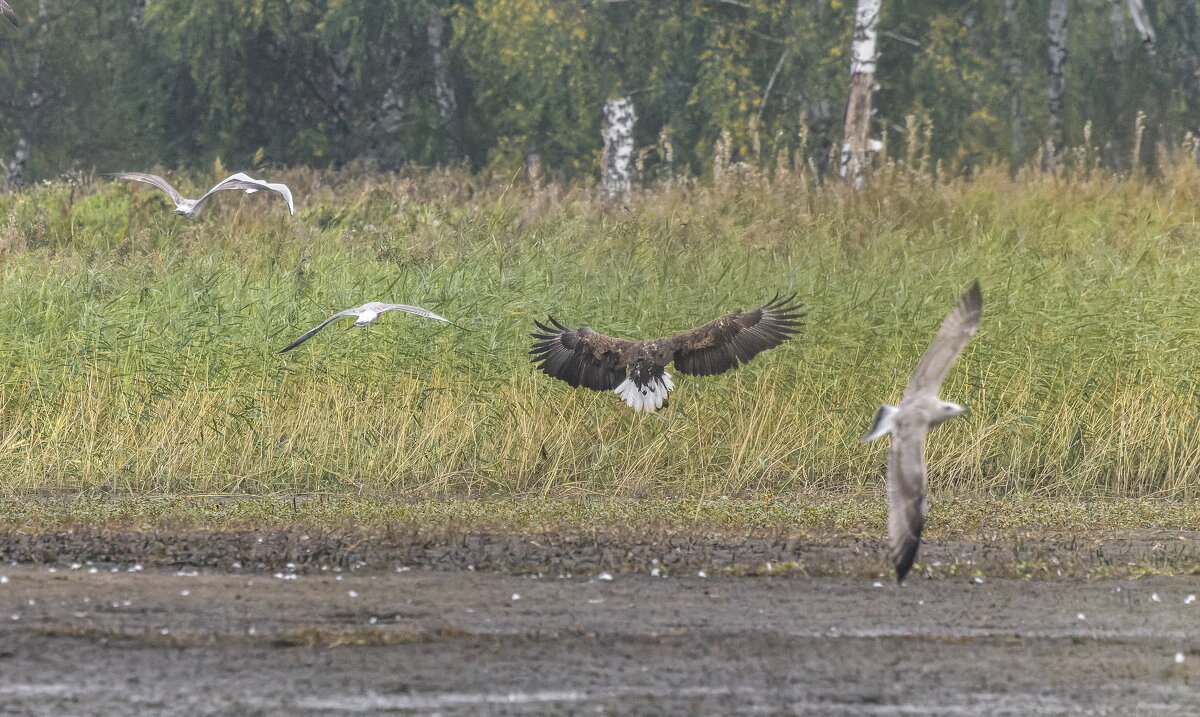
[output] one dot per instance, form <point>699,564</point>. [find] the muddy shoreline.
<point>1110,553</point>
<point>91,641</point>
<point>416,622</point>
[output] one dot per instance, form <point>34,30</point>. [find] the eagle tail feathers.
<point>648,398</point>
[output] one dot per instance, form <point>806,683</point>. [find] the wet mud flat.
<point>133,638</point>
<point>301,549</point>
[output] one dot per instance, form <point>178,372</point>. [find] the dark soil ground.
<point>476,624</point>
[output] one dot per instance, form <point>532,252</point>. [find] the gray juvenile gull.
<point>367,313</point>
<point>190,208</point>
<point>634,369</point>
<point>8,13</point>
<point>920,410</point>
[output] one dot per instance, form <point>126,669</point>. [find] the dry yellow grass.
<point>137,350</point>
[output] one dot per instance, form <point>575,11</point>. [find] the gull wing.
<point>906,489</point>
<point>8,13</point>
<point>737,337</point>
<point>415,311</point>
<point>956,331</point>
<point>150,179</point>
<point>581,357</point>
<point>309,334</point>
<point>250,185</point>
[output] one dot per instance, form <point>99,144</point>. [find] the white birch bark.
<point>1189,54</point>
<point>616,161</point>
<point>436,31</point>
<point>862,84</point>
<point>16,167</point>
<point>1016,80</point>
<point>533,167</point>
<point>1141,20</point>
<point>1056,86</point>
<point>339,89</point>
<point>390,118</point>
<point>1116,19</point>
<point>447,101</point>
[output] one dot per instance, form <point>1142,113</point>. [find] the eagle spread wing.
<point>737,337</point>
<point>581,357</point>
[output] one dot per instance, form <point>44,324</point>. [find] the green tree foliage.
<point>308,82</point>
<point>136,83</point>
<point>57,71</point>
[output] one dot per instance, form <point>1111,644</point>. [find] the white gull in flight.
<point>366,314</point>
<point>7,11</point>
<point>190,208</point>
<point>920,410</point>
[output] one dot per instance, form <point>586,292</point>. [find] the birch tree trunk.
<point>339,89</point>
<point>1185,20</point>
<point>16,167</point>
<point>389,119</point>
<point>533,166</point>
<point>862,84</point>
<point>1116,18</point>
<point>1056,87</point>
<point>615,178</point>
<point>1141,20</point>
<point>1016,80</point>
<point>443,89</point>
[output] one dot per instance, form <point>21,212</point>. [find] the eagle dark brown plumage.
<point>636,370</point>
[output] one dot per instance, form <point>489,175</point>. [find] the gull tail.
<point>906,518</point>
<point>648,398</point>
<point>904,554</point>
<point>883,424</point>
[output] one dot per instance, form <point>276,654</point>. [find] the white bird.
<point>7,11</point>
<point>190,208</point>
<point>920,410</point>
<point>366,314</point>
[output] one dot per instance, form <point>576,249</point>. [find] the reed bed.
<point>137,350</point>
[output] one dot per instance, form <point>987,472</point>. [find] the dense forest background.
<point>489,84</point>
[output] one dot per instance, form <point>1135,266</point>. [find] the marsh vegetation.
<point>138,350</point>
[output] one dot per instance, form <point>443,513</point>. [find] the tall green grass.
<point>137,350</point>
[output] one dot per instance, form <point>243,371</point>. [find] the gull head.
<point>186,208</point>
<point>946,410</point>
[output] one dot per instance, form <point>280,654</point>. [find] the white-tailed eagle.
<point>636,370</point>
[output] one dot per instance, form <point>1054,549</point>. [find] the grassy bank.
<point>137,351</point>
<point>861,515</point>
